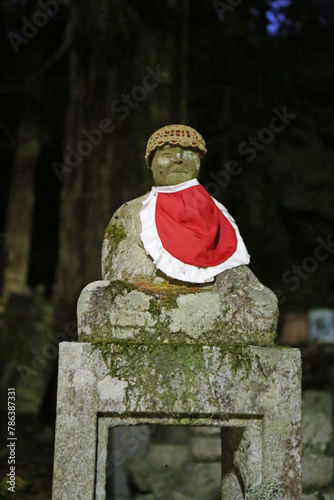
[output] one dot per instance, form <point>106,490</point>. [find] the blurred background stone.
<point>317,443</point>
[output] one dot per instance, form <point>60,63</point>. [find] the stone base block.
<point>251,394</point>
<point>236,309</point>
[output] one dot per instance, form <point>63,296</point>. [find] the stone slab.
<point>317,471</point>
<point>183,384</point>
<point>236,309</point>
<point>317,423</point>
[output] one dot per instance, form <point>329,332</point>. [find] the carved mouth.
<point>179,171</point>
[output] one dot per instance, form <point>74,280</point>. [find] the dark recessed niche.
<point>163,462</point>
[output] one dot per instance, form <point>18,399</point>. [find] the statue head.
<point>174,154</point>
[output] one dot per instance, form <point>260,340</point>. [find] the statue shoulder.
<point>129,211</point>
<point>125,223</point>
<point>123,255</point>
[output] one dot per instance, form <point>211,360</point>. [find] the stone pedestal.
<point>164,353</point>
<point>235,309</point>
<point>251,393</point>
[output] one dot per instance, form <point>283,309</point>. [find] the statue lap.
<point>137,301</point>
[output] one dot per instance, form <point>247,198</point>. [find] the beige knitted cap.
<point>175,135</point>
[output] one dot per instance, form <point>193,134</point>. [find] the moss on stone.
<point>159,332</point>
<point>115,233</point>
<point>157,307</point>
<point>169,355</point>
<point>160,304</point>
<point>154,309</point>
<point>153,367</point>
<point>265,491</point>
<point>169,291</point>
<point>118,287</point>
<point>240,357</point>
<point>255,336</point>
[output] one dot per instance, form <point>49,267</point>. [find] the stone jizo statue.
<point>174,262</point>
<point>178,333</point>
<point>178,231</point>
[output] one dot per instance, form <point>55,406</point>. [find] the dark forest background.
<point>226,69</point>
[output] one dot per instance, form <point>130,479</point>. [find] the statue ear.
<point>152,155</point>
<point>150,158</point>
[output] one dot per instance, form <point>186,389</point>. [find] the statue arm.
<point>123,255</point>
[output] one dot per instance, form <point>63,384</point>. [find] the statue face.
<point>172,165</point>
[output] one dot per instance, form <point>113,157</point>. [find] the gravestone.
<point>167,342</point>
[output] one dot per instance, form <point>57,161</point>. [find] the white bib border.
<point>171,266</point>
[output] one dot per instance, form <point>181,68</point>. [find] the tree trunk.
<point>21,197</point>
<point>105,65</point>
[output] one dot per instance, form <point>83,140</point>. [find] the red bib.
<point>193,229</point>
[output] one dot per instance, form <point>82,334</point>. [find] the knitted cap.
<point>175,135</point>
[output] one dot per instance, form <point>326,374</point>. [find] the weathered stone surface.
<point>202,481</point>
<point>247,306</point>
<point>236,309</point>
<point>317,440</point>
<point>206,431</point>
<point>144,473</point>
<point>317,470</point>
<point>123,254</point>
<point>136,301</point>
<point>242,450</point>
<point>162,455</point>
<point>317,432</point>
<point>169,472</point>
<point>206,449</point>
<point>317,422</point>
<point>170,384</point>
